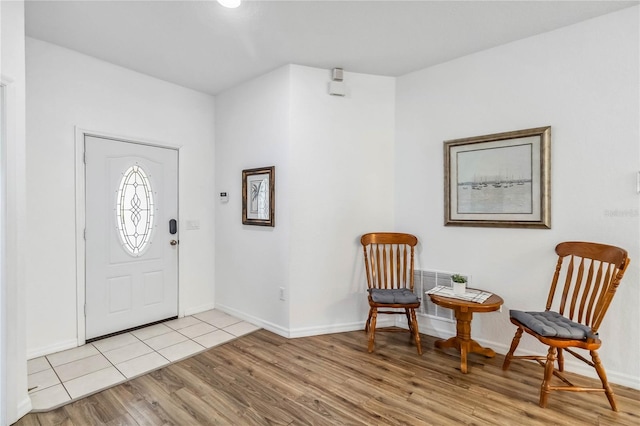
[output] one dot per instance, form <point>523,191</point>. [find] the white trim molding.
<point>14,399</point>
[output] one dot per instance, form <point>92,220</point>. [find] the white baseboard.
<point>274,328</point>
<point>623,379</point>
<point>302,331</point>
<point>198,309</point>
<point>441,329</point>
<point>23,408</point>
<point>48,350</point>
<point>337,328</point>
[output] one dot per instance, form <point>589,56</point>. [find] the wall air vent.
<point>426,280</point>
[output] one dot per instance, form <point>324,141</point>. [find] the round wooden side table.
<point>464,310</point>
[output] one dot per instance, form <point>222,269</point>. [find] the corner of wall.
<point>15,400</point>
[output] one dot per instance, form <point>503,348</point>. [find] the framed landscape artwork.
<point>258,196</point>
<point>499,180</point>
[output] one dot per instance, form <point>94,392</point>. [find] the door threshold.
<point>116,333</point>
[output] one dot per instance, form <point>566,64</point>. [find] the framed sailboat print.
<point>499,180</point>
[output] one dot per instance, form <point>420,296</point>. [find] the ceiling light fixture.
<point>231,4</point>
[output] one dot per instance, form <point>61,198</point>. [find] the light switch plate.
<point>193,224</point>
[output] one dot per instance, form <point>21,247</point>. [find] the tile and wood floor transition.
<point>62,377</point>
<point>264,379</point>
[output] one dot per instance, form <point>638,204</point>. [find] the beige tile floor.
<point>62,377</point>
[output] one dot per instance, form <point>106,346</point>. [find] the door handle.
<point>173,242</point>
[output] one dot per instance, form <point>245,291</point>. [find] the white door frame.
<point>3,252</point>
<point>80,172</point>
<point>14,400</point>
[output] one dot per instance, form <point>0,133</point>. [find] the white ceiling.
<point>203,46</point>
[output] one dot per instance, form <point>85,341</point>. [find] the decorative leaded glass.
<point>135,210</point>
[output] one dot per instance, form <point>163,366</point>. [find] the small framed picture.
<point>499,180</point>
<point>258,196</point>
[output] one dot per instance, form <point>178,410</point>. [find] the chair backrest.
<point>388,259</point>
<point>591,278</point>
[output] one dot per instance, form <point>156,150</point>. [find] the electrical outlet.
<point>282,293</point>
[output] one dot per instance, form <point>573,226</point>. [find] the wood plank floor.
<point>265,379</point>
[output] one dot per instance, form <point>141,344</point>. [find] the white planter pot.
<point>459,288</point>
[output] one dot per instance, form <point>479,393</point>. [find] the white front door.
<point>131,235</point>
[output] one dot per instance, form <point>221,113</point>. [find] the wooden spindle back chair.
<point>388,259</point>
<point>576,306</point>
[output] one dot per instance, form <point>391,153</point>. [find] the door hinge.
<point>85,309</point>
<point>84,157</point>
<point>84,234</point>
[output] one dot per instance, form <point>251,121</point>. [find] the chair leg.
<point>549,366</point>
<point>409,321</point>
<point>514,344</point>
<point>603,378</point>
<point>560,360</point>
<point>372,328</point>
<point>368,323</point>
<point>413,326</point>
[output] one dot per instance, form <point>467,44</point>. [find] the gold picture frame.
<point>499,180</point>
<point>258,196</point>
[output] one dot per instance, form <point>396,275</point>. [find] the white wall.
<point>342,187</point>
<point>14,400</point>
<point>583,81</point>
<point>67,89</point>
<point>252,130</point>
<point>334,168</point>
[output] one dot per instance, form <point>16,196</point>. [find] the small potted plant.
<point>459,283</point>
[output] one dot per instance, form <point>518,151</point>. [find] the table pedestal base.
<point>462,341</point>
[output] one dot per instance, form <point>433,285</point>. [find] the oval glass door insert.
<point>135,210</point>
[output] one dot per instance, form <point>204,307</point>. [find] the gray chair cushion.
<point>552,324</point>
<point>391,296</point>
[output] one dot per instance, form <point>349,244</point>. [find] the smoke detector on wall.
<point>336,86</point>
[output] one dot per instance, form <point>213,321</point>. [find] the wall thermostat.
<point>224,197</point>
